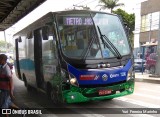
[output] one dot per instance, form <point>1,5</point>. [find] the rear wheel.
<point>152,70</point>
<point>29,88</point>
<point>24,80</point>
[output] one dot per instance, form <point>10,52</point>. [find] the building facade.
<point>150,21</point>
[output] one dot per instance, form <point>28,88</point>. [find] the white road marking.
<point>47,115</point>
<point>90,113</point>
<point>80,111</point>
<point>129,115</point>
<point>150,90</point>
<point>148,96</point>
<point>142,115</point>
<point>140,103</point>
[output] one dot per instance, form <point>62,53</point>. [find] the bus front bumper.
<point>76,94</point>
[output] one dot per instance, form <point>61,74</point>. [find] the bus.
<point>75,56</point>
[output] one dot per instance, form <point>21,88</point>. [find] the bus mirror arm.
<point>127,29</point>
<point>45,33</point>
<point>20,39</point>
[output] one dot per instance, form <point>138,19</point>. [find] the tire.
<point>24,80</point>
<point>29,88</point>
<point>152,70</point>
<point>52,95</point>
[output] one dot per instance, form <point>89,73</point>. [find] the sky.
<point>52,5</point>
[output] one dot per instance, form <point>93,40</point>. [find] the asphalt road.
<point>146,95</point>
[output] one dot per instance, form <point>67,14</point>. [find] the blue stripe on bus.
<point>114,74</point>
<point>26,64</point>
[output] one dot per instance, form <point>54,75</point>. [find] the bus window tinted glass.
<point>111,27</point>
<point>77,32</point>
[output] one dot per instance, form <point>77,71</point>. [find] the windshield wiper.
<point>85,53</point>
<point>107,43</point>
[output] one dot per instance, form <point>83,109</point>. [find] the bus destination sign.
<point>77,21</point>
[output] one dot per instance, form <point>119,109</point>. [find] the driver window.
<point>117,38</point>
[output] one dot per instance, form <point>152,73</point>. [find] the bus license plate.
<point>104,92</point>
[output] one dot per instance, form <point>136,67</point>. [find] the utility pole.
<point>5,40</point>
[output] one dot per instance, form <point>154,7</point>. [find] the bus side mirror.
<point>19,39</point>
<point>45,33</point>
<point>126,28</point>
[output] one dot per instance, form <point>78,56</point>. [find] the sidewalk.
<point>145,77</point>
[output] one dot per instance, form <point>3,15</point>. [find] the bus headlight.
<point>130,74</point>
<point>73,80</point>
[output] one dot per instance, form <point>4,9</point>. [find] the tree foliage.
<point>129,19</point>
<point>109,4</point>
<point>5,45</point>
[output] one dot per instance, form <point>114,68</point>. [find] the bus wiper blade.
<point>115,49</point>
<point>109,44</point>
<point>89,47</point>
<point>104,43</point>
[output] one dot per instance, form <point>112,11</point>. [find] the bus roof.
<point>38,21</point>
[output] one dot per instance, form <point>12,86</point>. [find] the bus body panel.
<point>100,76</point>
<point>26,51</point>
<point>76,95</point>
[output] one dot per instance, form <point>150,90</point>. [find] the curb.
<point>148,80</point>
<point>154,76</point>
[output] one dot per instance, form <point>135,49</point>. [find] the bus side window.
<point>48,45</point>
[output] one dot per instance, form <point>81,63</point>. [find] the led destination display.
<point>77,21</point>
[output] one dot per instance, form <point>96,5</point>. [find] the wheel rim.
<point>53,97</point>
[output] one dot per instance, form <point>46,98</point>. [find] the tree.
<point>109,4</point>
<point>2,44</point>
<point>129,19</point>
<point>5,45</point>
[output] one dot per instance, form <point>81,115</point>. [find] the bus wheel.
<point>25,81</point>
<point>53,96</point>
<point>29,88</point>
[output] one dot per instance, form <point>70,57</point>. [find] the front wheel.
<point>53,96</point>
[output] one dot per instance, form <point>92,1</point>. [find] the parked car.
<point>138,64</point>
<point>151,63</point>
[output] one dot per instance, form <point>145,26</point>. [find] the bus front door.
<point>17,59</point>
<point>38,58</point>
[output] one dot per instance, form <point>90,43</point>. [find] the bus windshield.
<point>79,39</point>
<point>111,27</point>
